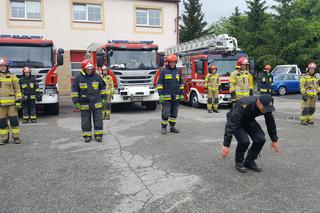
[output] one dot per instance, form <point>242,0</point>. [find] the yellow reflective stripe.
<point>32,85</point>
<point>165,122</point>
<point>4,131</point>
<point>167,97</point>
<point>263,90</point>
<point>98,132</point>
<point>83,85</point>
<point>172,120</point>
<point>87,134</point>
<point>7,101</point>
<point>160,87</point>
<point>84,107</point>
<point>15,130</point>
<point>25,117</point>
<point>23,85</point>
<point>33,97</point>
<point>18,94</point>
<point>168,76</point>
<point>74,95</point>
<point>177,97</point>
<point>33,117</point>
<point>95,85</point>
<point>213,88</point>
<point>5,80</point>
<point>103,92</point>
<point>98,105</point>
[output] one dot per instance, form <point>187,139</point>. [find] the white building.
<point>74,24</point>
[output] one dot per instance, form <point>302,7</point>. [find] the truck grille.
<point>129,80</point>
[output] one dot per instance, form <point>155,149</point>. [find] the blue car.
<point>286,83</point>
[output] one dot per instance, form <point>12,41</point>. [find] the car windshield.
<point>21,56</point>
<point>225,66</point>
<point>133,59</point>
<point>279,70</point>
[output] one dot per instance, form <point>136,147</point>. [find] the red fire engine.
<point>40,55</point>
<point>133,66</point>
<point>196,56</point>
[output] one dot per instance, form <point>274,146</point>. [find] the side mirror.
<point>60,57</point>
<point>100,58</point>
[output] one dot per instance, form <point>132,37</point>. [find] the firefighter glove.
<point>304,97</point>
<point>233,95</point>
<point>251,92</point>
<point>18,105</point>
<point>181,98</point>
<point>161,99</point>
<point>77,106</point>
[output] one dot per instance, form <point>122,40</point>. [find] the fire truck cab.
<point>196,56</point>
<point>38,54</point>
<point>133,66</point>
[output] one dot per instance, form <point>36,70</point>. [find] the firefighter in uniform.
<point>241,123</point>
<point>266,82</point>
<point>30,93</point>
<point>309,88</point>
<point>10,102</point>
<point>241,84</point>
<point>88,91</point>
<point>110,90</point>
<point>171,92</point>
<point>212,84</point>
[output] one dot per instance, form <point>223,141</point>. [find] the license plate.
<point>136,99</point>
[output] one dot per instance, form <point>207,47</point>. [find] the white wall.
<point>119,24</point>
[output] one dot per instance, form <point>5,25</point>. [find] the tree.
<point>193,21</point>
<point>235,21</point>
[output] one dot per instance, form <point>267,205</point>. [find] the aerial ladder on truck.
<point>194,58</point>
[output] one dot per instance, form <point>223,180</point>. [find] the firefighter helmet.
<point>4,62</point>
<point>312,65</point>
<point>267,67</point>
<point>172,58</point>
<point>242,61</point>
<point>213,67</point>
<point>25,69</point>
<point>87,64</point>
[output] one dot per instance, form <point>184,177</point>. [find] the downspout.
<point>177,22</point>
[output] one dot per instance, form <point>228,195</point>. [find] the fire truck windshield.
<point>225,66</point>
<point>32,56</point>
<point>133,60</point>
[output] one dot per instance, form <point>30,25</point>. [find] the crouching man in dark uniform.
<point>241,123</point>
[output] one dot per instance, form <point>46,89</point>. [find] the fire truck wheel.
<point>151,105</point>
<point>52,109</point>
<point>194,100</point>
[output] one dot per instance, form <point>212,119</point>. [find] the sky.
<point>214,9</point>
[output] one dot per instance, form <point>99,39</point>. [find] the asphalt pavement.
<point>136,169</point>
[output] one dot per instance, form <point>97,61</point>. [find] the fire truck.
<point>133,66</point>
<point>196,56</point>
<point>40,55</point>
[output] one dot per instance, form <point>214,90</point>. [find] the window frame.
<point>148,17</point>
<point>87,13</point>
<point>25,18</point>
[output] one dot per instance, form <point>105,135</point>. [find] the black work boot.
<point>33,121</point>
<point>174,129</point>
<point>25,121</point>
<point>250,163</point>
<point>16,141</point>
<point>3,142</point>
<point>252,166</point>
<point>310,122</point>
<point>240,167</point>
<point>209,111</point>
<point>98,138</point>
<point>304,123</point>
<point>216,111</point>
<point>87,139</point>
<point>239,162</point>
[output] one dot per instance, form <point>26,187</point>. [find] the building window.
<point>148,17</point>
<point>25,9</point>
<point>87,12</point>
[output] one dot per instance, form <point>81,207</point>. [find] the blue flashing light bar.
<point>130,42</point>
<point>21,36</point>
